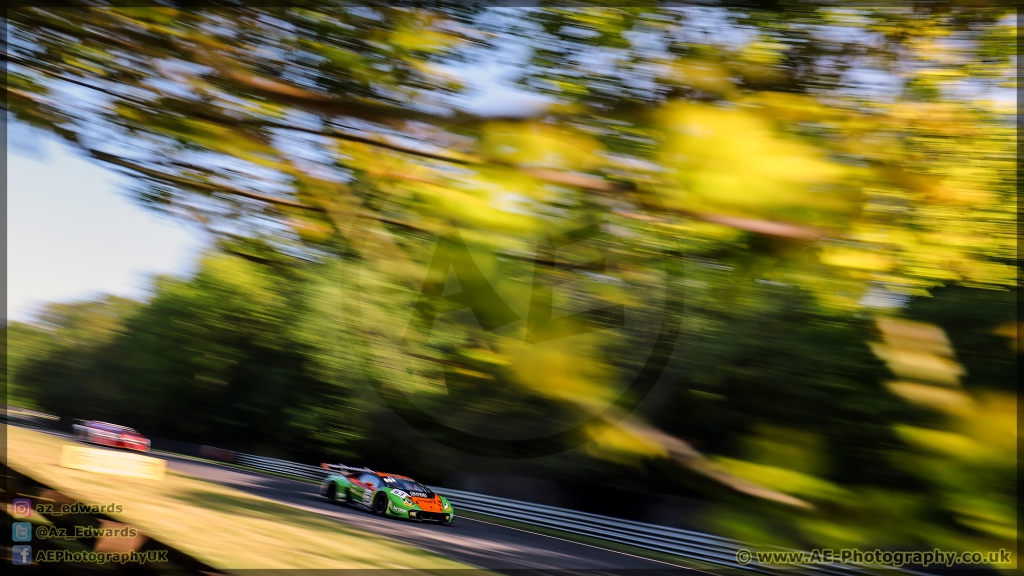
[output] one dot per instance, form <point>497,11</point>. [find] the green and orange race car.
<point>385,494</point>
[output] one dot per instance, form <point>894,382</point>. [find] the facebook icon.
<point>21,554</point>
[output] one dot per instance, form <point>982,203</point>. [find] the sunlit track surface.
<point>477,543</point>
<point>480,544</point>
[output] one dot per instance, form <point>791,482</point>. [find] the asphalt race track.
<point>481,544</point>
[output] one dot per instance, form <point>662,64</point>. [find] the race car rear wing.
<point>344,468</point>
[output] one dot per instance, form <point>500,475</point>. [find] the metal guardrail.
<point>280,466</point>
<point>673,541</point>
<point>26,418</point>
<point>665,539</point>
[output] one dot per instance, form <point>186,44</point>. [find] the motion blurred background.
<point>744,267</point>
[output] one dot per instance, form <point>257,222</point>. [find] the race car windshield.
<point>408,486</point>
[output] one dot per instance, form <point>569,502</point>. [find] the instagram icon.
<point>21,507</point>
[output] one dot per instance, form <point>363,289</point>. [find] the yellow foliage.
<point>844,257</point>
<point>920,336</point>
<point>948,443</point>
<point>961,194</point>
<point>619,443</point>
<point>938,398</point>
<point>792,107</point>
<point>484,355</point>
<point>919,365</point>
<point>702,75</point>
<point>556,369</point>
<point>917,351</point>
<point>993,515</point>
<point>783,479</point>
<point>539,145</point>
<point>733,160</point>
<point>995,422</point>
<point>422,36</point>
<point>311,230</point>
<point>1002,530</point>
<point>989,273</point>
<point>478,204</point>
<point>763,51</point>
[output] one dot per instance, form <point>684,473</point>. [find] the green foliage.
<point>758,175</point>
<point>24,343</point>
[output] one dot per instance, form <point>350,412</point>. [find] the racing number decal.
<point>367,495</point>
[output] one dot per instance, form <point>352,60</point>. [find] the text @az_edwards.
<point>875,557</point>
<point>87,532</point>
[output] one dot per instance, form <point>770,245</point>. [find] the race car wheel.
<point>380,505</point>
<point>332,492</point>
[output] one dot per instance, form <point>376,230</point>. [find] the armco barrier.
<point>682,543</point>
<point>674,541</point>
<point>26,418</point>
<point>280,466</point>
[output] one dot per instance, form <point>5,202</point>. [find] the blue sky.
<point>72,233</point>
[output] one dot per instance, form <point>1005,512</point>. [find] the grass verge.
<point>220,526</point>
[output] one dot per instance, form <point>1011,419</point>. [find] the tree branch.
<point>112,159</point>
<point>584,181</point>
<point>26,64</point>
<point>766,227</point>
<point>363,140</point>
<point>372,111</point>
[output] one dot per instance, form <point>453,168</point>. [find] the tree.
<point>841,152</point>
<point>23,343</point>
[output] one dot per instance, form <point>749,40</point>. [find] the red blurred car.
<point>106,434</point>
